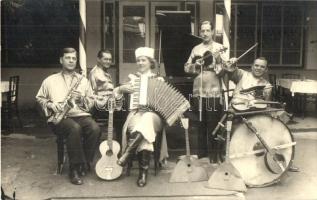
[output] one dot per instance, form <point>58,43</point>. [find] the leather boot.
<point>74,175</point>
<point>82,169</point>
<point>133,143</point>
<point>144,162</point>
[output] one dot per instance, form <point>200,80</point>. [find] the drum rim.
<point>278,179</point>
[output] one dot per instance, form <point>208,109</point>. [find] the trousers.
<point>82,137</point>
<point>211,111</point>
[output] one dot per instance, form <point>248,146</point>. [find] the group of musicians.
<point>142,124</point>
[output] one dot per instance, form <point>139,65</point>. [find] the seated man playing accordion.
<point>142,123</point>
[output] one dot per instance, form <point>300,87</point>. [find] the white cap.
<point>144,51</point>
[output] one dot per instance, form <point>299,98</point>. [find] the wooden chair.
<point>10,103</point>
<point>61,153</point>
<point>275,91</point>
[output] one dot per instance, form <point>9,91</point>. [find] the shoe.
<point>293,168</point>
<point>144,162</point>
<point>74,177</point>
<point>134,141</point>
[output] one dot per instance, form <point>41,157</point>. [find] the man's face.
<point>259,68</point>
<point>206,33</point>
<point>69,61</point>
<point>105,61</point>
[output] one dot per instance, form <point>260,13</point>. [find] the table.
<point>4,86</point>
<point>4,90</point>
<point>307,86</point>
<point>300,87</point>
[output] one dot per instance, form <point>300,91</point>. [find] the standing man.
<point>77,126</point>
<point>206,90</point>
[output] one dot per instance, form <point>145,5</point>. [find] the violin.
<point>207,59</point>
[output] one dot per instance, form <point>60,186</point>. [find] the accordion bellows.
<point>160,97</point>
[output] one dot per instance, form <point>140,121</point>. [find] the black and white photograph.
<point>158,99</point>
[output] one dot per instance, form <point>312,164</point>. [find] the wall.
<point>30,82</point>
<point>31,78</point>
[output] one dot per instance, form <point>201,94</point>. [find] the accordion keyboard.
<point>159,96</point>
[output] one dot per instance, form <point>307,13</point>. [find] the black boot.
<point>83,169</point>
<point>74,175</point>
<point>144,162</point>
<point>133,143</point>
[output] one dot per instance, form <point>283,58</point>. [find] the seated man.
<point>66,98</point>
<point>101,81</point>
<point>245,80</point>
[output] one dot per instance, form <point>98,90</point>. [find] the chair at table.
<point>276,95</point>
<point>10,103</point>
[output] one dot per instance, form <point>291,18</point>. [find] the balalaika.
<point>66,105</point>
<point>159,96</point>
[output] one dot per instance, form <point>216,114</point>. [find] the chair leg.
<point>60,155</point>
<point>129,167</point>
<point>18,116</point>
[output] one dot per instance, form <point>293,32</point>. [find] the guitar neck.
<point>110,128</point>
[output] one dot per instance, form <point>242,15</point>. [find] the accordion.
<point>159,96</point>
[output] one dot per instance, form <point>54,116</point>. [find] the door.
<point>155,33</point>
<point>133,33</point>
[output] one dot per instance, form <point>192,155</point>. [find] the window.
<point>192,7</point>
<point>134,29</point>
<point>243,33</point>
<point>282,34</point>
<point>109,28</point>
<point>278,28</point>
<point>33,32</point>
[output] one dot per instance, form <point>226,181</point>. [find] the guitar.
<point>188,168</point>
<point>107,167</point>
<point>274,161</point>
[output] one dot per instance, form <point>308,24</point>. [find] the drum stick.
<point>240,155</point>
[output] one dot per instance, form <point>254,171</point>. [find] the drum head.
<point>253,168</point>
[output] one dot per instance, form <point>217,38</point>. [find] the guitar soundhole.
<point>258,146</point>
<point>226,173</point>
<point>188,165</point>
<point>109,153</point>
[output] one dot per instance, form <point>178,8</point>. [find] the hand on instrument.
<point>199,62</point>
<point>77,98</point>
<point>231,64</point>
<point>127,88</point>
<point>55,107</point>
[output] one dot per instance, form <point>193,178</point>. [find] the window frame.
<point>301,51</point>
<point>259,31</point>
<point>114,26</point>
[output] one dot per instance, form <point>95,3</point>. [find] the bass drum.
<point>248,155</point>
